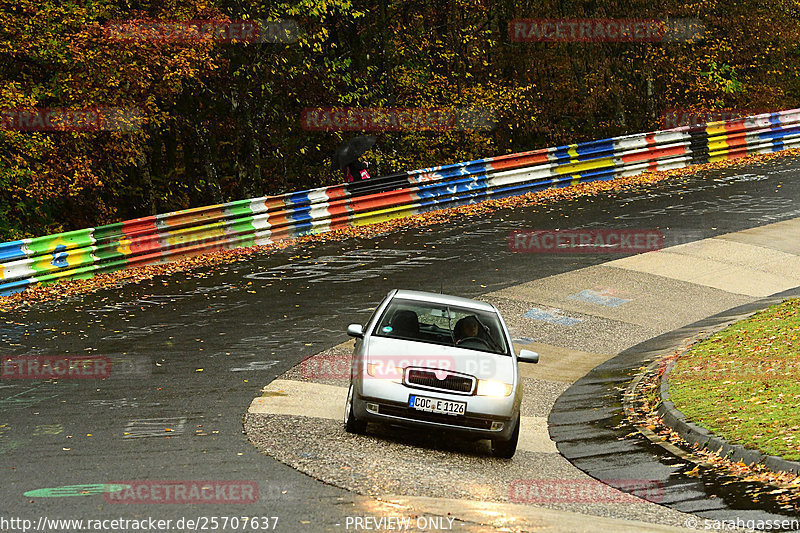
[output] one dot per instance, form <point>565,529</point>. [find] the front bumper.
<point>472,425</point>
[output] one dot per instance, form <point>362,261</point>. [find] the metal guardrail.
<point>255,221</point>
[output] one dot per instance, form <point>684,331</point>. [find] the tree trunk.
<point>207,164</point>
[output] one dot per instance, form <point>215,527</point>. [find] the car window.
<point>442,324</point>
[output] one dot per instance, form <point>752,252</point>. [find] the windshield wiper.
<point>494,345</point>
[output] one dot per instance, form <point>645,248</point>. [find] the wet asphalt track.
<point>191,352</point>
<point>590,429</point>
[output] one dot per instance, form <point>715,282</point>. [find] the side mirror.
<point>356,330</point>
<point>527,356</point>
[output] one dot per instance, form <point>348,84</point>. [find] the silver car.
<point>437,362</point>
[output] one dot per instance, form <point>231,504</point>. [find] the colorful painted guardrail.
<point>84,253</point>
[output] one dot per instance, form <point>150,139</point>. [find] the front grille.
<point>411,414</point>
<point>452,382</point>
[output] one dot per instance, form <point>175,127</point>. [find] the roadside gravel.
<point>390,461</point>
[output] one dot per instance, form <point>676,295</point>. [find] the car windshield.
<point>442,324</point>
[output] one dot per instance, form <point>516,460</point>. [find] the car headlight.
<point>381,371</point>
<point>490,387</point>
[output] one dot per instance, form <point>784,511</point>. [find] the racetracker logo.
<point>396,119</point>
<point>693,118</point>
<point>761,369</point>
<point>585,241</point>
<point>195,31</point>
<point>605,30</point>
<point>393,367</point>
<point>55,367</point>
<point>183,492</point>
<point>585,491</point>
<point>64,119</point>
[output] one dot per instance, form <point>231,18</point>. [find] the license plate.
<point>435,405</point>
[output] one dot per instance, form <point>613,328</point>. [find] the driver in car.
<point>465,328</point>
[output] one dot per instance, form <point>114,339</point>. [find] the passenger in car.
<point>405,324</point>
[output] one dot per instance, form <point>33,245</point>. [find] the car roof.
<point>444,299</point>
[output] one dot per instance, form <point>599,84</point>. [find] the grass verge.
<point>743,383</point>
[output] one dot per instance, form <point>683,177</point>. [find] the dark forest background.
<point>222,121</point>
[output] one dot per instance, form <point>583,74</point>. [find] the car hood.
<point>403,353</point>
